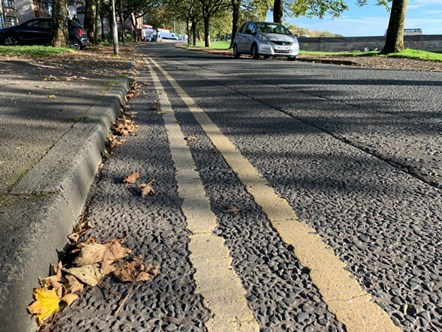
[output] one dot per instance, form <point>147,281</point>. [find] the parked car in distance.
<point>38,31</point>
<point>265,39</point>
<point>168,35</point>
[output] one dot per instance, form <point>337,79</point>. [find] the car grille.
<point>277,42</point>
<point>282,51</point>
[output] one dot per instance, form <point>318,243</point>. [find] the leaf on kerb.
<point>45,305</point>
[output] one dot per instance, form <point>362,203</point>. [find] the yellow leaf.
<point>69,298</point>
<point>45,305</point>
<point>52,97</point>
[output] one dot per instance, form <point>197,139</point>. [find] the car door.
<point>239,38</point>
<point>36,32</point>
<point>249,37</point>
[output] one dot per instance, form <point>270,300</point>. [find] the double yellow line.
<point>344,297</point>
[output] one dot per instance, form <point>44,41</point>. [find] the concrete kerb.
<point>45,205</point>
<point>302,58</point>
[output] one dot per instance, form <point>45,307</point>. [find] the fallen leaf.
<point>146,189</point>
<point>69,298</point>
<point>73,285</point>
<point>50,78</point>
<point>91,253</point>
<point>232,209</point>
<point>190,138</point>
<point>88,274</point>
<point>135,270</point>
<point>52,97</point>
<point>132,178</point>
<point>45,305</point>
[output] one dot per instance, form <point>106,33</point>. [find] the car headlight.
<point>263,38</point>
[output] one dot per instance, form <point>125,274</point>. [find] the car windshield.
<point>272,28</point>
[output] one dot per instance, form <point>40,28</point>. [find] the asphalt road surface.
<point>289,197</point>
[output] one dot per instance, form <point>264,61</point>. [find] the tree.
<point>90,19</point>
<point>278,8</point>
<point>395,33</point>
<point>210,8</point>
<point>190,12</point>
<point>59,23</point>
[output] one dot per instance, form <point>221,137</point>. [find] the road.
<point>289,197</point>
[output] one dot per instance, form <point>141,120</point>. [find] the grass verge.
<point>407,53</point>
<point>33,51</point>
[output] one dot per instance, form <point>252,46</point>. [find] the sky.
<point>372,20</point>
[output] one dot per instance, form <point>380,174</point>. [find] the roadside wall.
<point>338,44</point>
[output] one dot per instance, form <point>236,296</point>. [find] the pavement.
<point>54,119</point>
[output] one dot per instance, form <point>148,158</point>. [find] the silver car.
<point>265,39</point>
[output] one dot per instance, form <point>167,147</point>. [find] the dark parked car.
<point>38,31</point>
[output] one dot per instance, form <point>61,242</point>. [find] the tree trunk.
<point>194,23</point>
<point>394,41</point>
<point>188,30</point>
<point>122,29</point>
<point>235,19</point>
<point>59,23</point>
<point>97,25</point>
<point>89,20</point>
<point>207,31</point>
<point>278,7</point>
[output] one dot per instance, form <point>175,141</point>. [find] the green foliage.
<point>417,54</point>
<point>34,51</point>
<point>217,45</point>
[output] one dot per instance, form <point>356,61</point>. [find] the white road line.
<point>220,287</point>
<point>344,297</point>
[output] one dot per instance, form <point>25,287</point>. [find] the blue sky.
<point>372,20</point>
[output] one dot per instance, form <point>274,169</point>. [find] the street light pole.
<point>114,29</point>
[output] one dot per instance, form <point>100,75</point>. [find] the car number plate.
<point>282,48</point>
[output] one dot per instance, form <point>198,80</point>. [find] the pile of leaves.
<point>125,124</point>
<point>89,262</point>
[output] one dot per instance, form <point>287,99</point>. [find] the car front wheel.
<point>11,41</point>
<point>75,44</point>
<point>254,52</point>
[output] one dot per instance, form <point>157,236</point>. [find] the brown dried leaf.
<point>105,254</point>
<point>88,274</point>
<point>232,209</point>
<point>190,138</point>
<point>50,78</point>
<point>132,178</point>
<point>73,285</point>
<point>135,270</point>
<point>146,189</point>
<point>69,298</point>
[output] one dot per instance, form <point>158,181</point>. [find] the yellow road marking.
<point>220,287</point>
<point>344,297</point>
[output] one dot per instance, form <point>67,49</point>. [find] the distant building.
<point>13,12</point>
